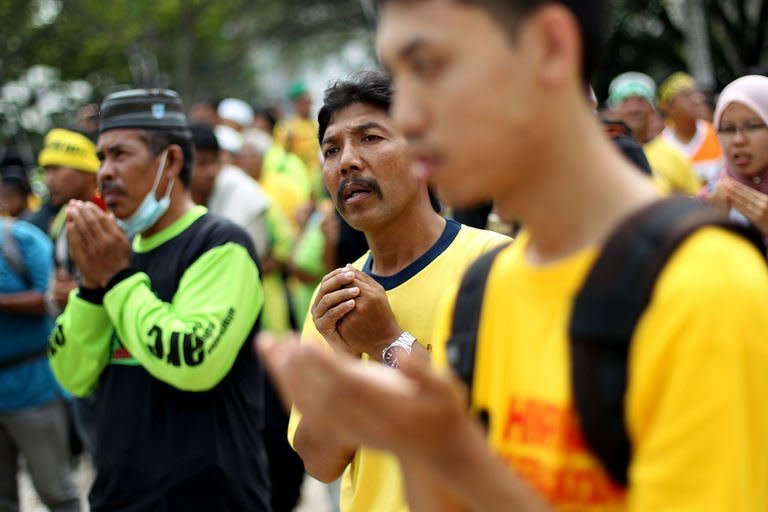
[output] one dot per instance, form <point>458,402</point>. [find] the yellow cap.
<point>673,85</point>
<point>68,149</point>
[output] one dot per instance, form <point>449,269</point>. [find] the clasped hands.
<point>97,245</point>
<point>752,203</point>
<point>352,313</point>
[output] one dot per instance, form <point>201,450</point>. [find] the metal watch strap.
<point>405,341</point>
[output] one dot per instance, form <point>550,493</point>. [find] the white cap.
<point>229,138</point>
<point>238,111</point>
<point>257,139</point>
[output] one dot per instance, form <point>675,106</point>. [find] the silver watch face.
<point>392,355</point>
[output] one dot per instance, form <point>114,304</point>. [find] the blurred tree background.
<point>56,55</point>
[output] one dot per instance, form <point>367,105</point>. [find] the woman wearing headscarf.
<point>741,120</point>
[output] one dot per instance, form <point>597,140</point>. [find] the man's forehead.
<point>397,30</point>
<point>122,137</point>
<point>356,117</point>
<point>406,26</point>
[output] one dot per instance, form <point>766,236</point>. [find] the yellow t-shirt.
<point>672,171</point>
<point>373,482</point>
<point>283,178</point>
<point>697,399</point>
<point>299,135</point>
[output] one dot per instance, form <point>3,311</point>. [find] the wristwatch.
<point>403,345</point>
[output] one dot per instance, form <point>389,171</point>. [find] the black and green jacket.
<point>166,348</point>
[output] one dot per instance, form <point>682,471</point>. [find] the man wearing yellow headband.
<point>681,102</point>
<point>70,163</point>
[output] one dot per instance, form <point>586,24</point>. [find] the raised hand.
<point>750,202</point>
<point>335,298</point>
<point>97,245</point>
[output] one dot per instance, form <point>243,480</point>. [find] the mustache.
<point>368,183</point>
<point>110,186</point>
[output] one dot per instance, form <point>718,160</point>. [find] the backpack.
<point>12,254</point>
<point>606,310</point>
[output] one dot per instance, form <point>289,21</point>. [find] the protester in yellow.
<point>681,102</point>
<point>284,178</point>
<point>395,287</point>
<point>632,97</point>
<point>298,134</point>
<point>526,386</point>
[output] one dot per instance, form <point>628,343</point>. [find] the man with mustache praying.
<point>382,306</point>
<point>159,328</point>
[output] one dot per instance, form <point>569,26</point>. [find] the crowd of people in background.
<point>150,232</point>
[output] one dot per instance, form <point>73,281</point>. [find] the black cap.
<point>158,109</point>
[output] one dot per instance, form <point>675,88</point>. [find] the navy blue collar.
<point>389,282</point>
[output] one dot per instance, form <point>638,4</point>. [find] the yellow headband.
<point>68,149</point>
<point>673,85</point>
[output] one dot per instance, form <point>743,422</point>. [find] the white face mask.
<point>150,209</point>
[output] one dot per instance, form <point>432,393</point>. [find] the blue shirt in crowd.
<point>29,384</point>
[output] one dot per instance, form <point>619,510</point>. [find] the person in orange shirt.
<point>681,102</point>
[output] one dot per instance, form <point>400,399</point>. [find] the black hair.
<point>203,137</point>
<point>19,185</point>
<point>158,140</point>
<point>268,113</point>
<point>590,15</point>
<point>372,88</point>
<point>13,171</point>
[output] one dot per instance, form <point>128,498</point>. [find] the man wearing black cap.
<point>159,329</point>
<point>14,192</point>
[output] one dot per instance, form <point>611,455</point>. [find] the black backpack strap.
<point>606,311</point>
<point>462,344</point>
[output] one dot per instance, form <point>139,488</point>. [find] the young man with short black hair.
<point>497,90</point>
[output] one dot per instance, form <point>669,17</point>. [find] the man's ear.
<point>559,41</point>
<point>174,162</point>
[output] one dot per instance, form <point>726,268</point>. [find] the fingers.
<point>288,364</point>
<point>748,195</point>
<point>84,223</point>
<point>75,240</point>
<point>750,202</point>
<point>276,357</point>
<point>434,383</point>
<point>336,280</point>
<point>97,221</point>
<point>332,307</point>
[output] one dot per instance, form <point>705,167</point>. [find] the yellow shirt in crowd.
<point>672,172</point>
<point>372,482</point>
<point>299,136</point>
<point>697,399</point>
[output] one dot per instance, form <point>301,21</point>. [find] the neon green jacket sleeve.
<point>192,342</point>
<point>80,345</point>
